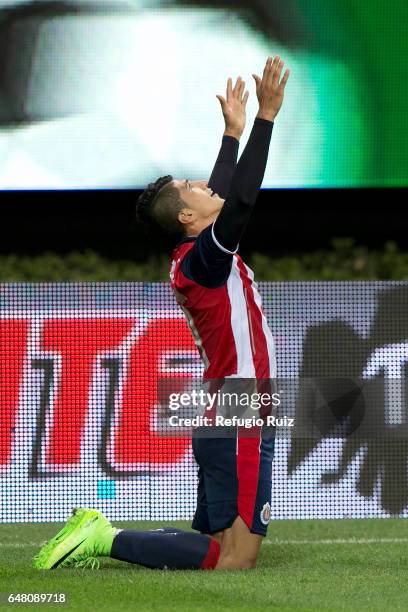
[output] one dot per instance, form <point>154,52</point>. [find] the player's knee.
<point>239,547</point>
<point>234,558</point>
<point>246,563</point>
<point>217,537</point>
<point>232,562</point>
<point>247,559</point>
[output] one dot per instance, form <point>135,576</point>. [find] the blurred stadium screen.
<point>114,94</point>
<point>79,371</point>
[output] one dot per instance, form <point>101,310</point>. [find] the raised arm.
<point>248,176</point>
<point>233,108</point>
<point>209,261</point>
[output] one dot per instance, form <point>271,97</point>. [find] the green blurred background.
<point>371,38</point>
<point>344,125</point>
<point>97,95</point>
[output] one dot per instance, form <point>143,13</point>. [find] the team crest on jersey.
<point>266,513</point>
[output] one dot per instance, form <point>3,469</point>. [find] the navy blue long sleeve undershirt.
<point>223,171</point>
<point>209,261</point>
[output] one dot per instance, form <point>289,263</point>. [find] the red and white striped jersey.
<point>227,321</point>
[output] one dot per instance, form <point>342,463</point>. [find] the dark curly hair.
<point>160,204</point>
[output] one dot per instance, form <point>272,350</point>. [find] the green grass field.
<point>306,565</point>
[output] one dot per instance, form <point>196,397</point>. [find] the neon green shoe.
<point>87,534</point>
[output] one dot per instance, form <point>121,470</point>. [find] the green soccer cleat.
<point>86,535</point>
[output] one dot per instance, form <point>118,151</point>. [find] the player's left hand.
<point>233,108</point>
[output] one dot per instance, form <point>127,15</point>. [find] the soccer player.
<point>219,297</point>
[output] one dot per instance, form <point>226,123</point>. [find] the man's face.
<point>203,206</point>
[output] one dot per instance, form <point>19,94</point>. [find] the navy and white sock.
<point>167,548</point>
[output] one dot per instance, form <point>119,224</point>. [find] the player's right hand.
<point>271,88</point>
